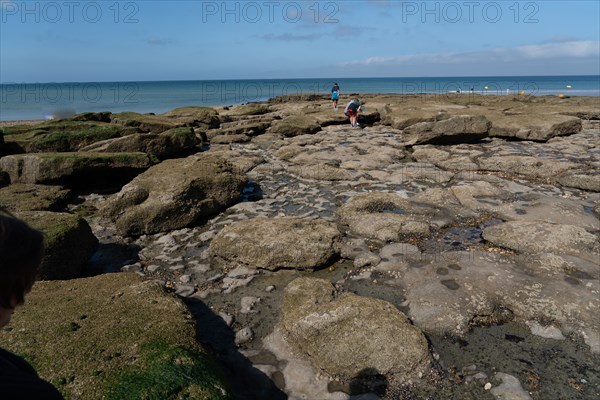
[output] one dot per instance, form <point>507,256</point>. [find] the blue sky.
<point>83,41</point>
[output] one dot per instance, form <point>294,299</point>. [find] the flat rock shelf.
<point>446,249</point>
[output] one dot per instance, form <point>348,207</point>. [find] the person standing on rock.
<point>21,249</point>
<point>352,109</point>
<point>335,95</point>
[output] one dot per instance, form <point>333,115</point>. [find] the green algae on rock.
<point>69,243</point>
<point>30,197</point>
<point>162,145</point>
<point>63,167</point>
<point>145,122</point>
<point>115,337</point>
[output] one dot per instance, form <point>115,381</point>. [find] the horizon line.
<point>323,78</point>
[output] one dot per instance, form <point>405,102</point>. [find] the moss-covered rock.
<point>53,125</point>
<point>64,135</point>
<point>29,197</point>
<point>73,168</point>
<point>145,122</point>
<point>248,127</point>
<point>93,116</point>
<point>162,145</point>
<point>113,337</point>
<point>74,140</point>
<point>251,109</point>
<point>69,243</point>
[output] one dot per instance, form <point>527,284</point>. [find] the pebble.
<point>206,236</point>
<point>241,272</point>
<point>269,289</point>
<point>248,304</point>
<point>185,278</point>
<point>167,240</point>
<point>243,336</point>
<point>137,267</point>
<point>152,268</point>
<point>228,319</point>
<point>548,332</point>
<point>510,388</point>
<point>487,386</point>
<point>185,291</point>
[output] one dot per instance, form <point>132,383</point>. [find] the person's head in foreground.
<point>21,251</point>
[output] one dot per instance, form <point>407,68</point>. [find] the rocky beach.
<point>446,249</point>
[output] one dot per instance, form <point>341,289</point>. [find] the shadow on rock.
<point>111,257</point>
<point>246,382</point>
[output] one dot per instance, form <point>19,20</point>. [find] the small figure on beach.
<point>335,95</point>
<point>21,250</point>
<point>352,109</point>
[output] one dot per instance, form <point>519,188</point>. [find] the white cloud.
<point>560,50</point>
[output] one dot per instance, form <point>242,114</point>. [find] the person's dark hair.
<point>21,251</point>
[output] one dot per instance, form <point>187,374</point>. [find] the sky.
<point>96,41</point>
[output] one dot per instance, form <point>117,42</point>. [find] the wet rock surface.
<point>487,247</point>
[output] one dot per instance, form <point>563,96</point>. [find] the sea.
<point>36,101</point>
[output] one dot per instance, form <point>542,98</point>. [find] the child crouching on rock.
<point>352,109</point>
<point>21,250</point>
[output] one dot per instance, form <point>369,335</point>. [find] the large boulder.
<point>29,197</point>
<point>458,129</point>
<point>248,127</point>
<point>390,217</point>
<point>250,109</point>
<point>175,194</point>
<point>69,243</point>
<point>162,145</point>
<point>296,125</point>
<point>276,243</point>
<point>74,140</point>
<point>64,135</point>
<point>96,169</point>
<point>403,116</point>
<point>103,116</point>
<point>537,127</point>
<point>542,237</point>
<point>344,334</point>
<point>113,336</point>
<point>195,116</point>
